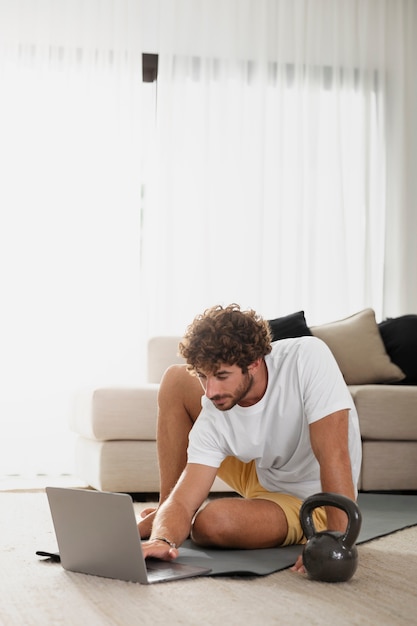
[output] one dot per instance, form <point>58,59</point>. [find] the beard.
<point>227,401</point>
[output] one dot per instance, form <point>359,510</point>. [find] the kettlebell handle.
<point>344,503</point>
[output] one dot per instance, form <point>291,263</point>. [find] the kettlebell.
<point>330,556</point>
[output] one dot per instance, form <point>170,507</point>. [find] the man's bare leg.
<point>240,523</point>
<point>179,404</point>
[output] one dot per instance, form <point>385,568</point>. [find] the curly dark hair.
<point>225,335</point>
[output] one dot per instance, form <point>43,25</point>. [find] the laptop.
<point>97,534</point>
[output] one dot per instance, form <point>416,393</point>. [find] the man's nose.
<point>212,387</point>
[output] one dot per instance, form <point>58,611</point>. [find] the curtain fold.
<point>274,175</point>
<point>70,105</point>
<point>400,261</point>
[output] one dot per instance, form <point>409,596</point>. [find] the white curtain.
<point>282,177</point>
<point>279,139</point>
<point>70,107</point>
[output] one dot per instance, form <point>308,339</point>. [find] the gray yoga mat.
<point>382,514</point>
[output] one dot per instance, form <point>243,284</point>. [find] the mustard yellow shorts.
<point>243,479</point>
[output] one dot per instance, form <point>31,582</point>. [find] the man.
<point>274,421</point>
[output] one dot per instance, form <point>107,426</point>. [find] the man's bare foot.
<point>298,566</point>
<point>145,524</point>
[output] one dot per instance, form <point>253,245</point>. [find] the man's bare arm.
<point>330,443</point>
<point>172,523</point>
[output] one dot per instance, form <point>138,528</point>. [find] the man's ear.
<point>255,365</point>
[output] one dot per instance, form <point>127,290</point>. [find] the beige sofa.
<point>116,427</point>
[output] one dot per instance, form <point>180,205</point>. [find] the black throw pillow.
<point>399,335</point>
<point>293,325</point>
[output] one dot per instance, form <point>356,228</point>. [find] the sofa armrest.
<point>116,413</point>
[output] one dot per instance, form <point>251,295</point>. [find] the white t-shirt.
<point>304,385</point>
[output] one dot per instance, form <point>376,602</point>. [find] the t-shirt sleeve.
<point>204,443</point>
<point>324,389</point>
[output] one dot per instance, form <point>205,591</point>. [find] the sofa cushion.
<point>125,466</point>
<point>399,335</point>
<point>386,412</point>
<point>358,348</point>
<point>389,465</point>
<point>116,413</point>
<point>292,325</point>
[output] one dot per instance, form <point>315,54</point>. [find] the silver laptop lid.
<point>97,534</point>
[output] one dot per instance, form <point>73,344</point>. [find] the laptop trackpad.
<point>167,570</point>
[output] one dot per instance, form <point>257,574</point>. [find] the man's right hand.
<point>159,550</point>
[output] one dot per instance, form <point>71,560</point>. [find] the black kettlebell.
<point>330,556</point>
